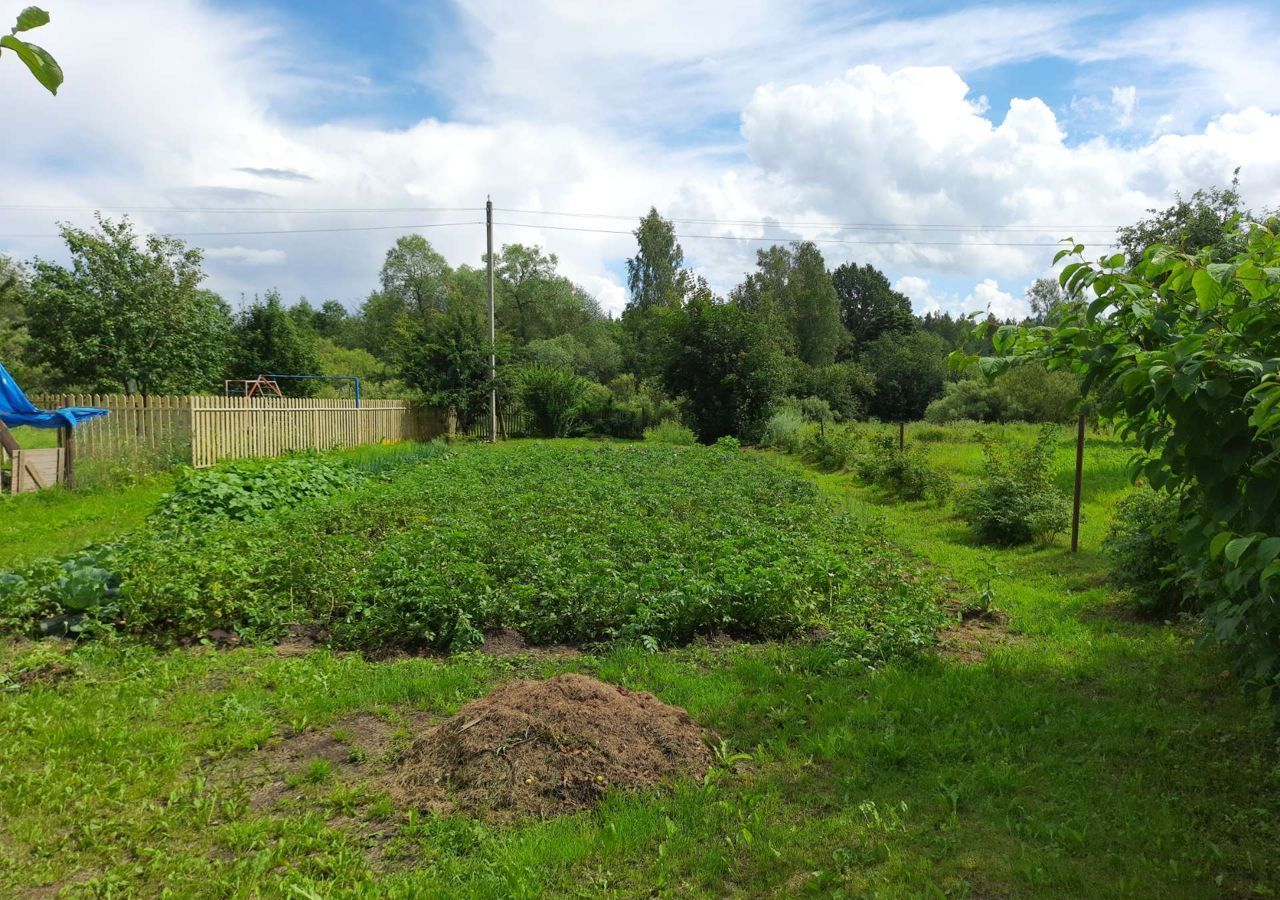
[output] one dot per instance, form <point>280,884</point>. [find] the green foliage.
<point>1028,393</point>
<point>634,405</point>
<point>1046,299</point>
<point>247,488</point>
<point>727,365</point>
<point>554,398</point>
<point>785,430</point>
<point>448,361</point>
<point>1182,350</point>
<point>670,432</point>
<point>1016,502</point>
<point>869,307</point>
<point>376,377</point>
<point>39,61</point>
<point>816,410</point>
<point>566,544</point>
<point>124,317</point>
<point>268,341</point>
<point>1033,393</point>
<point>1142,546</point>
<point>728,442</point>
<point>973,399</point>
<point>812,306</point>
<point>831,449</point>
<point>909,371</point>
<point>415,279</point>
<point>902,473</point>
<point>652,274</point>
<point>64,596</point>
<point>846,387</point>
<point>1206,221</point>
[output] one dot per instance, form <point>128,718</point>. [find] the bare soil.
<point>974,635</point>
<point>510,642</point>
<point>544,748</point>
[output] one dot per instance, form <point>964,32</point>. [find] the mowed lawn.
<point>1069,750</point>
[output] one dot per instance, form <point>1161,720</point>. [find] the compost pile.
<point>544,748</point>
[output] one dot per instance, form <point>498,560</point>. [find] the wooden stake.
<point>1075,503</point>
<point>493,345</point>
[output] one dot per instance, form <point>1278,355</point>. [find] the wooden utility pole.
<point>1075,503</point>
<point>493,342</point>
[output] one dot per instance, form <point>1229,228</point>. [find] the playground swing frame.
<point>269,383</point>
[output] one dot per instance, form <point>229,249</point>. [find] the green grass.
<point>59,521</point>
<point>1090,755</point>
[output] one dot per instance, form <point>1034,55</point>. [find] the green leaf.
<point>1184,384</point>
<point>31,17</point>
<point>1208,290</point>
<point>1268,550</point>
<point>43,66</point>
<point>1271,571</point>
<point>1220,540</point>
<point>1235,549</point>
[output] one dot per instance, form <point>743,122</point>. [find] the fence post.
<point>902,436</point>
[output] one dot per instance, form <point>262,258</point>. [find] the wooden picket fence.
<point>203,430</point>
<point>510,424</point>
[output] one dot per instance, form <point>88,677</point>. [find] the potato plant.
<point>652,544</point>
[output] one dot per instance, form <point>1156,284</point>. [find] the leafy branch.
<point>42,65</point>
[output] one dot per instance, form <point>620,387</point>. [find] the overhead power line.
<point>763,223</point>
<point>241,210</point>
<point>896,226</point>
<point>187,234</point>
<point>734,237</point>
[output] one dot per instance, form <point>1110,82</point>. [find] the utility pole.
<point>493,343</point>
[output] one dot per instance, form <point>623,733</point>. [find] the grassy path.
<point>1090,755</point>
<point>1107,756</point>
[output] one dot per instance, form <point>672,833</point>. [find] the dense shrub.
<point>846,387</point>
<point>250,487</point>
<point>565,544</point>
<point>904,473</point>
<point>832,449</point>
<point>1032,393</point>
<point>624,408</point>
<point>1016,502</point>
<point>1029,393</point>
<point>552,397</point>
<point>785,430</point>
<point>1142,546</point>
<point>968,398</point>
<point>670,432</point>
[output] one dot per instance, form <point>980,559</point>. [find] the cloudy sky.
<point>949,144</point>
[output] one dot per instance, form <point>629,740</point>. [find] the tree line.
<point>129,314</point>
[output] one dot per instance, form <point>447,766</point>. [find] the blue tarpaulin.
<point>16,409</point>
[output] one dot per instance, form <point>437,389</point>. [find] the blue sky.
<point>924,123</point>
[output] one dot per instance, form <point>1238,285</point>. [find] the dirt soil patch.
<point>509,642</point>
<point>974,636</point>
<point>544,748</point>
<point>353,749</point>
